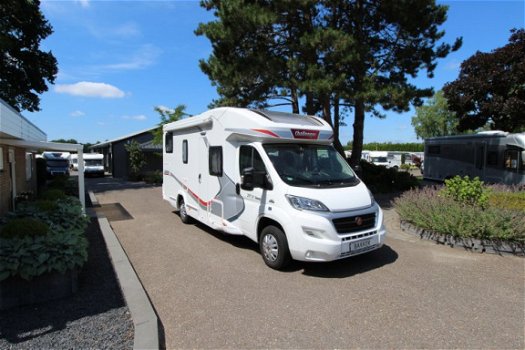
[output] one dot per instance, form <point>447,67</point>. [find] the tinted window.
<point>215,161</point>
<point>250,158</point>
<point>168,142</point>
<point>185,151</point>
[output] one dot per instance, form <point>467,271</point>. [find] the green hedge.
<point>64,247</point>
<point>380,179</point>
<point>388,146</point>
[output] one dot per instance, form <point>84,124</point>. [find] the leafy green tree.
<point>338,56</point>
<point>434,118</point>
<point>73,141</point>
<point>136,158</point>
<point>491,88</point>
<point>24,68</point>
<point>167,116</point>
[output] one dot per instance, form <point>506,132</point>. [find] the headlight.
<point>301,203</point>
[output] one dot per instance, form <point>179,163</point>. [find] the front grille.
<point>351,223</point>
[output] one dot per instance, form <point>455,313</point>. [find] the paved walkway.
<point>214,291</point>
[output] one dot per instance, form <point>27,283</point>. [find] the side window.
<point>511,160</point>
<point>250,158</point>
<point>492,158</point>
<point>168,142</point>
<point>185,151</point>
<point>215,160</point>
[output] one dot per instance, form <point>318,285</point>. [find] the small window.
<point>185,151</point>
<point>215,161</point>
<point>434,149</point>
<point>168,142</point>
<point>511,160</point>
<point>1,159</point>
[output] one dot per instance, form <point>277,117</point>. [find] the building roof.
<point>106,143</point>
<point>150,146</point>
<point>14,125</point>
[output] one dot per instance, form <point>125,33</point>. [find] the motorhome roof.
<point>259,124</point>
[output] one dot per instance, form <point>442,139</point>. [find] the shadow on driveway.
<point>343,268</point>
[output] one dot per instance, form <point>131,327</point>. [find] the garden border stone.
<point>470,244</point>
<point>145,319</point>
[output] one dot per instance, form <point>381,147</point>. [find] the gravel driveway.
<point>214,291</point>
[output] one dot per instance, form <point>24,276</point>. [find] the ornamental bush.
<point>26,254</point>
<point>467,191</point>
<point>24,227</point>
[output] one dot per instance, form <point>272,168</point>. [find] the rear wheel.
<point>184,217</point>
<point>274,247</point>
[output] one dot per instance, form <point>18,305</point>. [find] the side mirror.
<point>247,179</point>
<point>252,178</point>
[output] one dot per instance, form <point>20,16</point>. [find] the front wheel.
<point>274,247</point>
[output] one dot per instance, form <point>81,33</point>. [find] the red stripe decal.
<point>267,132</point>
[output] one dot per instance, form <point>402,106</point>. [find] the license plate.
<point>357,246</point>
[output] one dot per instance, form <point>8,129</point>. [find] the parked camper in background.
<point>57,163</point>
<point>73,162</point>
<point>379,158</point>
<point>494,157</point>
<point>93,164</point>
<point>273,177</point>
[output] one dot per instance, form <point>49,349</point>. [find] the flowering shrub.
<point>433,210</point>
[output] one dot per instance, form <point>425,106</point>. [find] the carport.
<point>38,146</point>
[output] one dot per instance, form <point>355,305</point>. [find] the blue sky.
<point>119,59</point>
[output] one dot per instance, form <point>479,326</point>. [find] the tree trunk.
<point>310,107</point>
<point>295,101</point>
<point>359,125</point>
<point>337,143</point>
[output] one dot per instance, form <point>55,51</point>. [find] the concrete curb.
<point>471,244</point>
<point>145,320</point>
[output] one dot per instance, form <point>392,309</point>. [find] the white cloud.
<point>90,89</point>
<point>77,114</point>
<point>145,56</point>
<point>84,3</point>
<point>139,117</point>
<point>165,109</point>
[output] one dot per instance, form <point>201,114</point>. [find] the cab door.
<point>254,199</point>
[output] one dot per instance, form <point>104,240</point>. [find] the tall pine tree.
<point>335,55</point>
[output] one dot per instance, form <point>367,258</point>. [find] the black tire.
<point>184,217</point>
<point>274,247</point>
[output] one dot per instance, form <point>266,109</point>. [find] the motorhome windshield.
<point>57,163</point>
<point>307,165</point>
<point>93,162</point>
<point>379,160</point>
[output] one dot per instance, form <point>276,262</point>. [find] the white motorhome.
<point>93,164</point>
<point>273,177</point>
<point>494,157</point>
<point>379,158</point>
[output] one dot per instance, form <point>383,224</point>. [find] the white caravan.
<point>273,177</point>
<point>494,157</point>
<point>379,158</point>
<point>93,164</point>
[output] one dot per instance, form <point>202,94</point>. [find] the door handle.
<point>200,177</point>
<point>238,189</point>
